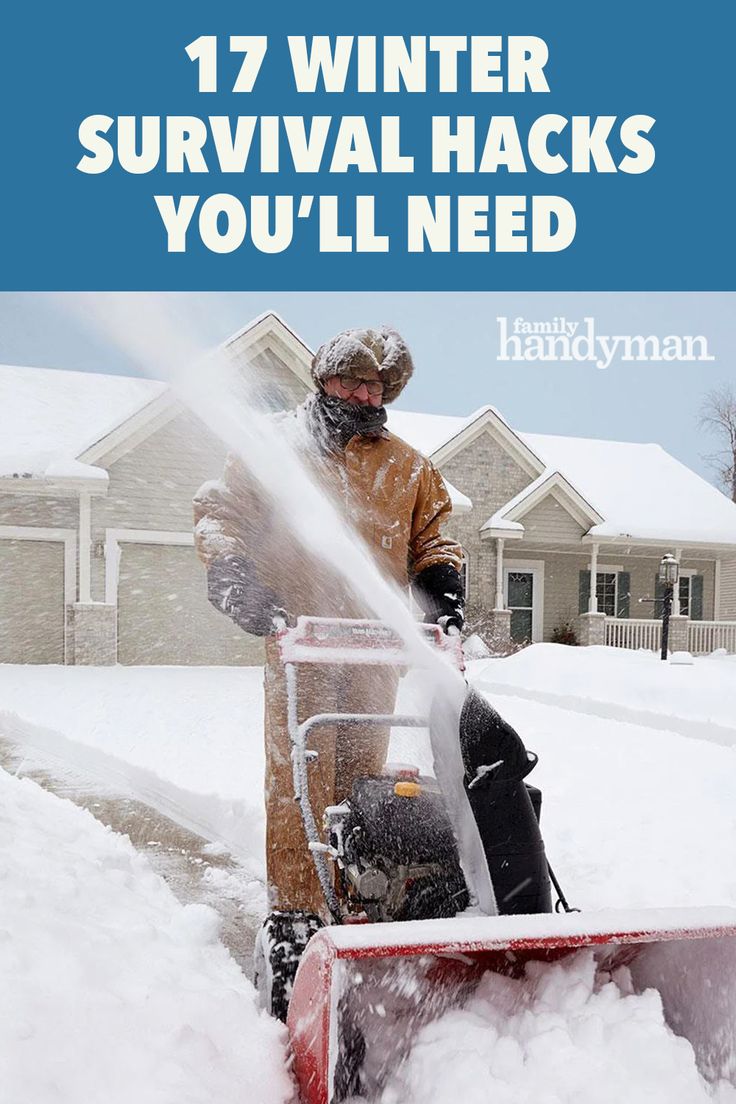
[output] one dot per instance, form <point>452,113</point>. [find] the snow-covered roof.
<point>48,417</point>
<point>640,491</point>
<point>460,502</point>
<point>430,432</point>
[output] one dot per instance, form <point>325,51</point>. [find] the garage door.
<point>164,616</point>
<point>31,601</point>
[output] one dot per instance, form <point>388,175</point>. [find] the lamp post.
<point>669,573</point>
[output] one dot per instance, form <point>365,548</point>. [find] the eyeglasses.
<point>350,383</point>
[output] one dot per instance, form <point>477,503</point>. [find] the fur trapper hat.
<point>351,352</point>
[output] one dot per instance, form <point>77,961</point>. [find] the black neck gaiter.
<point>333,422</point>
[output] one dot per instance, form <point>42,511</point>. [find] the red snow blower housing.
<point>398,954</point>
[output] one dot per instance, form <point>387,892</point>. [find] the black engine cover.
<point>388,831</point>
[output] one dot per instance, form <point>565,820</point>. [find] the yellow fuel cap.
<point>407,789</point>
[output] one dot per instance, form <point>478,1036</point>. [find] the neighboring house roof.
<point>49,417</point>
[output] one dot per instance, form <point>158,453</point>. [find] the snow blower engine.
<point>392,839</point>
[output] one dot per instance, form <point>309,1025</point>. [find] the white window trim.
<point>68,537</point>
<point>687,573</point>
<point>608,569</point>
<point>536,567</point>
<point>114,538</point>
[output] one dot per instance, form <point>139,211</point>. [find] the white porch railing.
<point>704,637</point>
<point>634,632</point>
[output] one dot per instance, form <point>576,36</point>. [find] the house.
<point>97,563</point>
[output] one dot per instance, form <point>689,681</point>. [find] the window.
<point>520,600</point>
<point>612,591</point>
<point>691,595</point>
<point>606,592</point>
<point>685,595</point>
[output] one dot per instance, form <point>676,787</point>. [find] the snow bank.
<point>564,1034</point>
<point>109,988</point>
<point>696,700</point>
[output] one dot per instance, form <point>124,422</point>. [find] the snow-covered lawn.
<point>697,699</point>
<point>109,988</point>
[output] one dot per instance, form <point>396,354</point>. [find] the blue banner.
<point>514,146</point>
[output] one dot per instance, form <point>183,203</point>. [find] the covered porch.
<point>543,592</point>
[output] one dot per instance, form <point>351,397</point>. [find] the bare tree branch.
<point>718,416</point>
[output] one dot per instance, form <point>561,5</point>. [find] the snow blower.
<point>415,924</point>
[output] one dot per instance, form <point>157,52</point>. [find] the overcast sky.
<point>454,338</point>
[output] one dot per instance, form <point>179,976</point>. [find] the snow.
<point>565,1032</point>
<point>695,699</point>
<point>638,776</point>
<point>624,742</point>
<point>49,417</point>
<point>476,933</point>
<point>187,740</point>
<point>110,988</point>
<point>641,491</point>
<point>426,432</point>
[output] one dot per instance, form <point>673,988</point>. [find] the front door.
<point>524,597</point>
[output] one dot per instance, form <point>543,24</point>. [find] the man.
<point>394,498</point>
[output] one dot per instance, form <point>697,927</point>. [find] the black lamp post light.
<point>669,573</point>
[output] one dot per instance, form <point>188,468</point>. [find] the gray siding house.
<point>97,563</point>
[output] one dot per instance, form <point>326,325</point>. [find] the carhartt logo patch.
<point>387,542</point>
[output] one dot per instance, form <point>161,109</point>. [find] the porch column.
<point>85,548</point>
<point>499,621</point>
<point>676,588</point>
<point>500,604</point>
<point>593,597</point>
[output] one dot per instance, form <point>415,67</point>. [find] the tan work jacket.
<point>391,495</point>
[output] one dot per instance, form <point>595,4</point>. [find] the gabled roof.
<point>270,329</point>
<point>57,425</point>
<point>441,437</point>
<point>639,491</point>
<point>511,515</point>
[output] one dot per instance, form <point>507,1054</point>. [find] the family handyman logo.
<point>564,340</point>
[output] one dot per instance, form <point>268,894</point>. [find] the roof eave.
<point>668,543</point>
<point>43,486</point>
